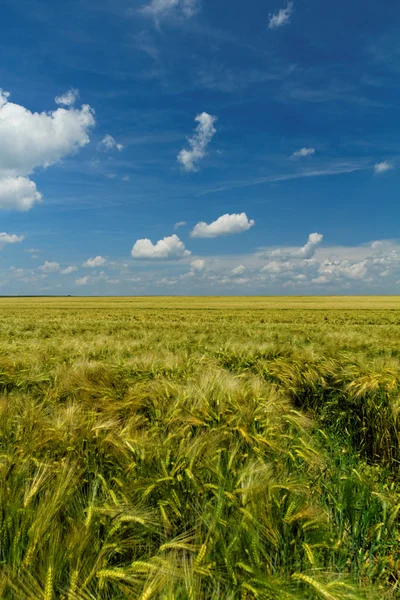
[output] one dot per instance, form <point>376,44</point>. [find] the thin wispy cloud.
<point>303,152</point>
<point>69,98</point>
<point>163,8</point>
<point>282,17</point>
<point>145,42</point>
<point>383,167</point>
<point>109,143</point>
<point>327,172</point>
<point>179,224</point>
<point>202,136</point>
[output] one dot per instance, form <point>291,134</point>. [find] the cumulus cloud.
<point>168,248</point>
<point>238,270</point>
<point>382,167</point>
<point>31,140</point>
<point>303,152</point>
<point>305,252</point>
<point>171,281</point>
<point>101,277</point>
<point>343,268</point>
<point>203,135</point>
<point>18,193</point>
<point>162,8</point>
<point>276,267</point>
<point>97,261</point>
<point>108,143</point>
<point>82,280</point>
<point>69,270</point>
<point>282,17</point>
<point>6,238</point>
<point>224,225</point>
<point>69,98</point>
<point>308,250</point>
<point>49,267</point>
<point>198,265</point>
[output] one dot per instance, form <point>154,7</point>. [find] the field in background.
<point>199,448</point>
<point>208,302</point>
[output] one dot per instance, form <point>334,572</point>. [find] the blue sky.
<point>199,147</point>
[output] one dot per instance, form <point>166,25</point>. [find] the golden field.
<point>199,448</point>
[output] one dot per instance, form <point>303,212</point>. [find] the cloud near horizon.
<point>97,261</point>
<point>49,267</point>
<point>168,248</point>
<point>69,270</point>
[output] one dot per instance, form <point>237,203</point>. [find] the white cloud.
<point>109,143</point>
<point>6,238</point>
<point>305,252</point>
<point>203,135</point>
<point>382,167</point>
<point>18,193</point>
<point>160,8</point>
<point>30,140</point>
<point>101,277</point>
<point>276,267</point>
<point>82,280</point>
<point>49,267</point>
<point>198,265</point>
<point>343,268</point>
<point>179,224</point>
<point>97,261</point>
<point>238,270</point>
<point>224,225</point>
<point>281,17</point>
<point>320,280</point>
<point>69,98</point>
<point>167,248</point>
<point>167,281</point>
<point>308,250</point>
<point>303,152</point>
<point>69,270</point>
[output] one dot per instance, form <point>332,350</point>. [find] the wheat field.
<point>199,448</point>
